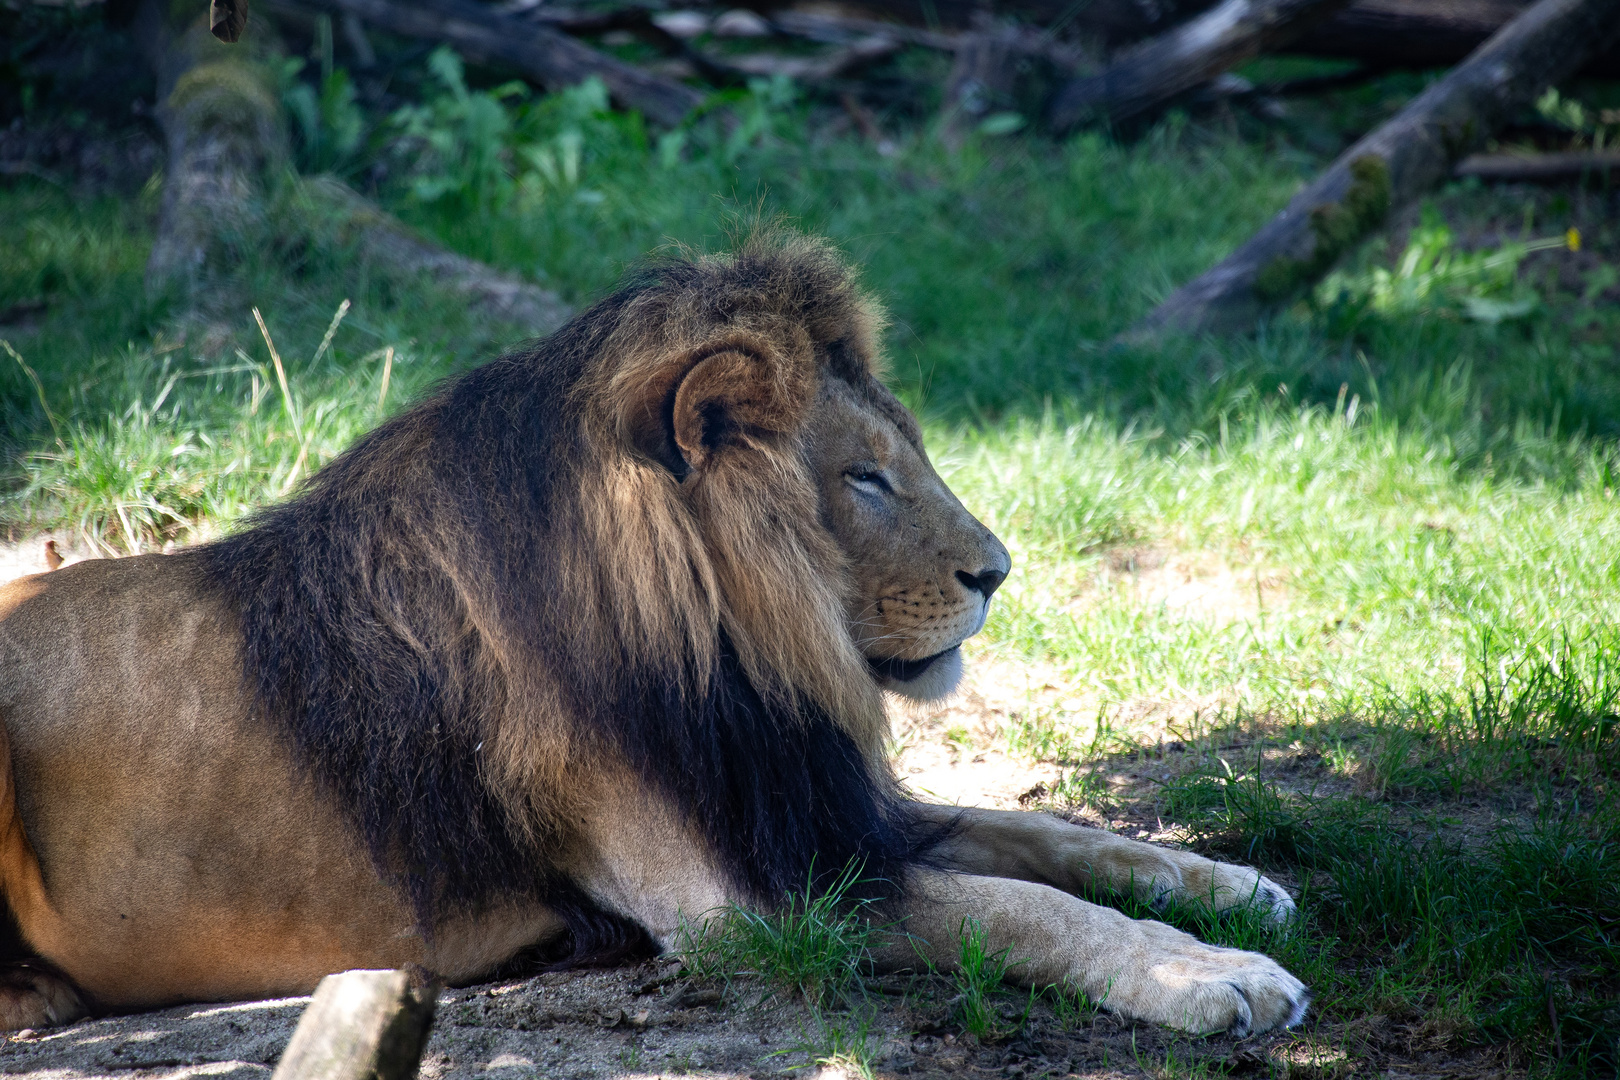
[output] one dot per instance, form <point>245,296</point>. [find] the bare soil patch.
<point>638,1022</point>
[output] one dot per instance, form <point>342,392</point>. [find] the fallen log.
<point>1409,33</point>
<point>543,55</point>
<point>362,1025</point>
<point>224,140</point>
<point>1391,166</point>
<point>1150,74</point>
<point>1597,165</point>
<point>226,185</point>
<point>381,239</point>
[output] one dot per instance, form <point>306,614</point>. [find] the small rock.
<point>681,24</point>
<point>739,23</point>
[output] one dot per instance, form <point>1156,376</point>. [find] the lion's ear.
<point>729,394</point>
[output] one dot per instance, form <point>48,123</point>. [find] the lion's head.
<point>923,568</point>
<point>752,381</point>
<point>690,536</point>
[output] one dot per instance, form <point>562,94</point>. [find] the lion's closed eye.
<point>870,481</point>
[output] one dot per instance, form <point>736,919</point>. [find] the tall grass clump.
<point>816,944</point>
<point>207,443</point>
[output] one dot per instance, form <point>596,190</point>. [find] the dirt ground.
<point>636,1022</point>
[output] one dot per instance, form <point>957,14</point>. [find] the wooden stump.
<point>362,1025</point>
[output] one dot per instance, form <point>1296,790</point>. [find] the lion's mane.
<point>519,584</point>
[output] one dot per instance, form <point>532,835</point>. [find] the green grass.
<point>1382,542</point>
<point>817,945</point>
<point>978,982</point>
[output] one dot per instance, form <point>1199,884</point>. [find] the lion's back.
<point>97,634</point>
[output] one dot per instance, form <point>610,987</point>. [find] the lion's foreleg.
<point>1136,968</point>
<point>1036,847</point>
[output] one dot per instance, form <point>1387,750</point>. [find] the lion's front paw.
<point>1182,982</point>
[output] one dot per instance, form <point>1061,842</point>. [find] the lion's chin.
<point>929,679</point>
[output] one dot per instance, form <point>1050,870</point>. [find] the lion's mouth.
<point>906,670</point>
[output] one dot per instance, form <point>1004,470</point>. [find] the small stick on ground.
<point>1542,168</point>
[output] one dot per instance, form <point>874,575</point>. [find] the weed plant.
<point>817,944</point>
<point>979,976</point>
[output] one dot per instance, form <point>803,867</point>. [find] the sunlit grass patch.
<point>199,444</point>
<point>1375,540</point>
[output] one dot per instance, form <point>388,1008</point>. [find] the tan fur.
<point>738,466</point>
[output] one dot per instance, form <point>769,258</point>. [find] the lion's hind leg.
<point>32,995</point>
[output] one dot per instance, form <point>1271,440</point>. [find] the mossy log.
<point>1393,165</point>
<point>1145,77</point>
<point>228,187</point>
<point>224,139</point>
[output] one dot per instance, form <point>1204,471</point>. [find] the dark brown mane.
<point>507,588</point>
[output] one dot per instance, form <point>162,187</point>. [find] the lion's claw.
<point>1230,887</point>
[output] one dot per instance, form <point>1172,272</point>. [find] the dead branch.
<point>831,65</point>
<point>837,29</point>
<point>549,58</point>
<point>841,30</point>
<point>1409,33</point>
<point>1393,165</point>
<point>1596,165</point>
<point>1148,75</point>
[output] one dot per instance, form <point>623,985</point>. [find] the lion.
<point>588,645</point>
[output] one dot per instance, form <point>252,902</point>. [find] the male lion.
<point>594,637</point>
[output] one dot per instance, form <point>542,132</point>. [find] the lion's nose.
<point>985,581</point>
